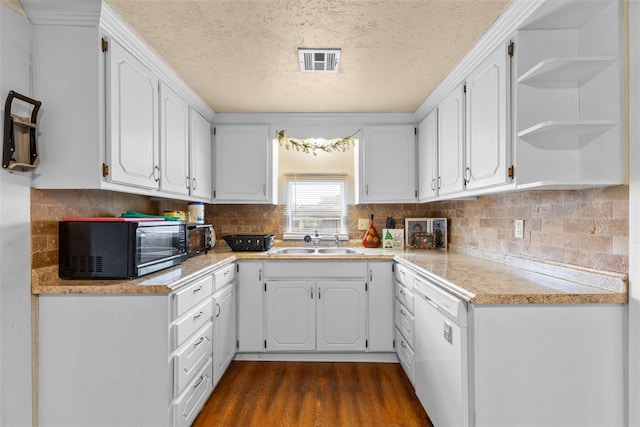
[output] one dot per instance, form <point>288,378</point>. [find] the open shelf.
<point>566,70</point>
<point>555,128</point>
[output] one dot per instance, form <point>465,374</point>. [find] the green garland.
<point>305,146</point>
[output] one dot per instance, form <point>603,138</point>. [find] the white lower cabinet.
<point>224,347</point>
<point>135,359</point>
<point>528,365</point>
<point>307,306</point>
<point>404,320</point>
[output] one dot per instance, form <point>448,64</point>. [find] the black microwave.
<point>91,249</point>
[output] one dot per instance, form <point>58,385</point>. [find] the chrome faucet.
<point>316,240</point>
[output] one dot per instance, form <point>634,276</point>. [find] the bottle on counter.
<point>371,238</point>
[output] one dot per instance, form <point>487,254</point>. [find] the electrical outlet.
<point>518,228</point>
<point>363,223</point>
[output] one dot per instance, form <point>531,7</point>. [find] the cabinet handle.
<point>433,184</point>
<point>260,275</point>
<point>403,312</point>
<point>467,174</point>
<point>430,301</point>
<point>156,173</point>
<point>402,292</point>
<point>439,183</point>
<point>319,296</point>
<point>187,181</point>
<point>264,190</point>
<point>197,316</point>
<point>219,310</point>
<point>198,289</point>
<point>195,183</point>
<point>311,293</point>
<point>199,381</point>
<point>403,344</point>
<point>403,272</point>
<point>366,189</point>
<point>199,342</point>
<point>370,275</point>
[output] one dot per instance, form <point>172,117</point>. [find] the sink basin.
<point>315,251</point>
<point>339,251</point>
<point>293,251</point>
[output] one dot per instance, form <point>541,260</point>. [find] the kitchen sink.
<point>339,251</point>
<point>293,251</point>
<point>315,251</point>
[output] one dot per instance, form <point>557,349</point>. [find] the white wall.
<point>634,213</point>
<point>15,240</point>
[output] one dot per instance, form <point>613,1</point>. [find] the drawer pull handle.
<point>311,293</point>
<point>199,381</point>
<point>226,272</point>
<point>402,292</point>
<point>403,312</point>
<point>403,344</point>
<point>260,275</point>
<point>199,342</point>
<point>197,316</point>
<point>218,307</point>
<point>198,289</point>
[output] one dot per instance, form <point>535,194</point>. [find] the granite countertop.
<point>476,278</point>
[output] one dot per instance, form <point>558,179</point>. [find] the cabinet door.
<point>388,164</point>
<point>381,300</point>
<point>428,156</point>
<point>451,143</point>
<point>224,339</point>
<point>250,306</point>
<point>290,315</point>
<point>243,164</point>
<point>201,163</point>
<point>132,148</point>
<point>174,142</point>
<point>342,316</point>
<point>487,121</point>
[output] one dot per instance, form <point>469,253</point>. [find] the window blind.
<point>316,202</point>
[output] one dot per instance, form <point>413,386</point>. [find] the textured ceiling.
<point>241,55</point>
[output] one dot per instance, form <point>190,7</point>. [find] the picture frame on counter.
<point>426,233</point>
<point>414,227</point>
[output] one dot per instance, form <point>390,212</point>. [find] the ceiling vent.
<point>319,60</point>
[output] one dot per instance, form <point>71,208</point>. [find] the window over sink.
<point>315,202</point>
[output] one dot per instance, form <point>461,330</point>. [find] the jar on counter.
<point>196,212</point>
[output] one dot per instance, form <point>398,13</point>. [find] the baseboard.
<point>320,357</point>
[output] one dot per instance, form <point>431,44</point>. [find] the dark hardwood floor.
<point>318,394</point>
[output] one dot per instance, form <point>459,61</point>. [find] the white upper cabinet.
<point>132,119</point>
<point>568,101</point>
<point>388,164</point>
<point>106,114</point>
<point>243,164</point>
<point>451,143</point>
<point>428,157</point>
<point>174,142</point>
<point>201,156</point>
<point>488,151</point>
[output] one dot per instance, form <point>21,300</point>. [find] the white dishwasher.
<point>442,366</point>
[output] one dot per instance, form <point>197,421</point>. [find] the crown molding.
<point>63,12</point>
<point>502,29</point>
<point>315,118</point>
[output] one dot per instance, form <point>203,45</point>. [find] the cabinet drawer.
<point>185,326</point>
<point>187,406</point>
<point>192,294</point>
<point>406,355</point>
<point>405,296</point>
<point>404,276</point>
<point>192,356</point>
<point>405,322</point>
<point>224,275</point>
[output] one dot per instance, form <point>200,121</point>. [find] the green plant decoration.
<point>309,147</point>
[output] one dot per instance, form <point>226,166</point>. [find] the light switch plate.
<point>518,228</point>
<point>363,223</point>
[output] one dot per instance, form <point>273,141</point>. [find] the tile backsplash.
<point>588,228</point>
